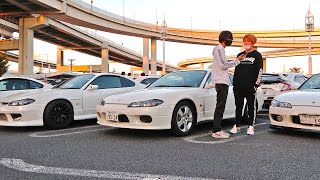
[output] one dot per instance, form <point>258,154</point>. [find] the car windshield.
<point>76,82</point>
<point>312,83</point>
<point>181,79</point>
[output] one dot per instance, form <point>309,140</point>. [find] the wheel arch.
<point>192,103</point>
<point>62,99</point>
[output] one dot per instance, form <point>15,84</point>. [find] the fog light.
<point>146,119</point>
<point>277,117</point>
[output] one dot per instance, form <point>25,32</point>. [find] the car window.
<point>312,83</point>
<point>13,84</point>
<point>126,82</point>
<point>77,82</point>
<point>231,78</point>
<point>106,82</point>
<point>35,85</point>
<point>300,79</point>
<point>148,80</point>
<point>192,78</point>
<point>270,79</point>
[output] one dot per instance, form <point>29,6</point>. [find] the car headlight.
<point>102,102</point>
<point>21,102</point>
<point>275,103</point>
<point>148,103</point>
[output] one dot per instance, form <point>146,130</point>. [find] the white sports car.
<point>176,101</point>
<point>298,109</point>
<point>15,85</point>
<point>58,107</point>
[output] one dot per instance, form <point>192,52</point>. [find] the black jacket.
<point>247,75</point>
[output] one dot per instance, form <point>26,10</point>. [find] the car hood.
<point>310,97</point>
<point>166,94</point>
<point>35,94</point>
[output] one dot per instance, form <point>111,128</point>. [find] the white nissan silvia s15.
<point>176,101</point>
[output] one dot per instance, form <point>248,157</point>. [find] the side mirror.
<point>92,87</point>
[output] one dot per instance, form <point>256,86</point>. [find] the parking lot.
<point>89,151</point>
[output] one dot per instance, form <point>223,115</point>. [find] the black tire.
<point>58,115</point>
<point>183,119</point>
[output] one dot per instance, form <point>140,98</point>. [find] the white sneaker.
<point>250,130</point>
<point>235,130</point>
<point>221,135</point>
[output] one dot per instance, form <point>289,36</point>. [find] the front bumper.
<point>28,115</point>
<point>291,117</point>
<point>131,117</point>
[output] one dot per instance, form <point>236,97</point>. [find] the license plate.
<point>309,119</point>
<point>112,116</point>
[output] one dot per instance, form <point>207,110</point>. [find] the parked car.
<point>274,84</point>
<point>298,109</point>
<point>58,107</point>
<point>13,85</point>
<point>177,101</point>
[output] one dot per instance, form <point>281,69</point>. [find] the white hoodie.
<point>220,66</point>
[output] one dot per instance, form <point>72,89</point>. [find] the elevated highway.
<point>267,54</point>
<point>80,13</point>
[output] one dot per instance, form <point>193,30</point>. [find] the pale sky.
<point>204,14</point>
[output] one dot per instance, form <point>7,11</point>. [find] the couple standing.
<point>246,80</point>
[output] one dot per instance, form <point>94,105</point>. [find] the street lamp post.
<point>71,62</point>
<point>164,30</point>
<point>309,26</point>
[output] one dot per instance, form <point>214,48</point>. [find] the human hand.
<point>242,56</point>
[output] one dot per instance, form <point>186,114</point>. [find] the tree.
<point>3,65</point>
<point>295,70</point>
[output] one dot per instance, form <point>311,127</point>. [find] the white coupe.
<point>176,101</point>
<point>15,85</point>
<point>298,109</point>
<point>58,107</point>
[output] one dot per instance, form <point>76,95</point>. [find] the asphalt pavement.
<point>89,151</point>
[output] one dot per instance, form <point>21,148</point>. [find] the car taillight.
<point>285,87</point>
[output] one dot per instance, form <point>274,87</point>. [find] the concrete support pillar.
<point>201,65</point>
<point>145,59</point>
<point>25,48</point>
<point>153,56</point>
<point>104,60</point>
<point>60,60</point>
<point>264,64</point>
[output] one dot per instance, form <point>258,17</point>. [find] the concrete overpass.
<point>68,36</point>
<point>287,52</point>
<point>82,14</point>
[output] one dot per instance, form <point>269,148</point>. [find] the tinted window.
<point>270,78</point>
<point>126,82</point>
<point>105,82</point>
<point>35,85</point>
<point>13,84</point>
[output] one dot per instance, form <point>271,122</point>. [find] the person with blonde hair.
<point>246,80</point>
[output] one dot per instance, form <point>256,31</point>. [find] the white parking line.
<point>56,133</point>
<point>19,164</point>
<point>191,139</point>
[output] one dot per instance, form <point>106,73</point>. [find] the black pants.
<point>222,94</point>
<point>251,97</point>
